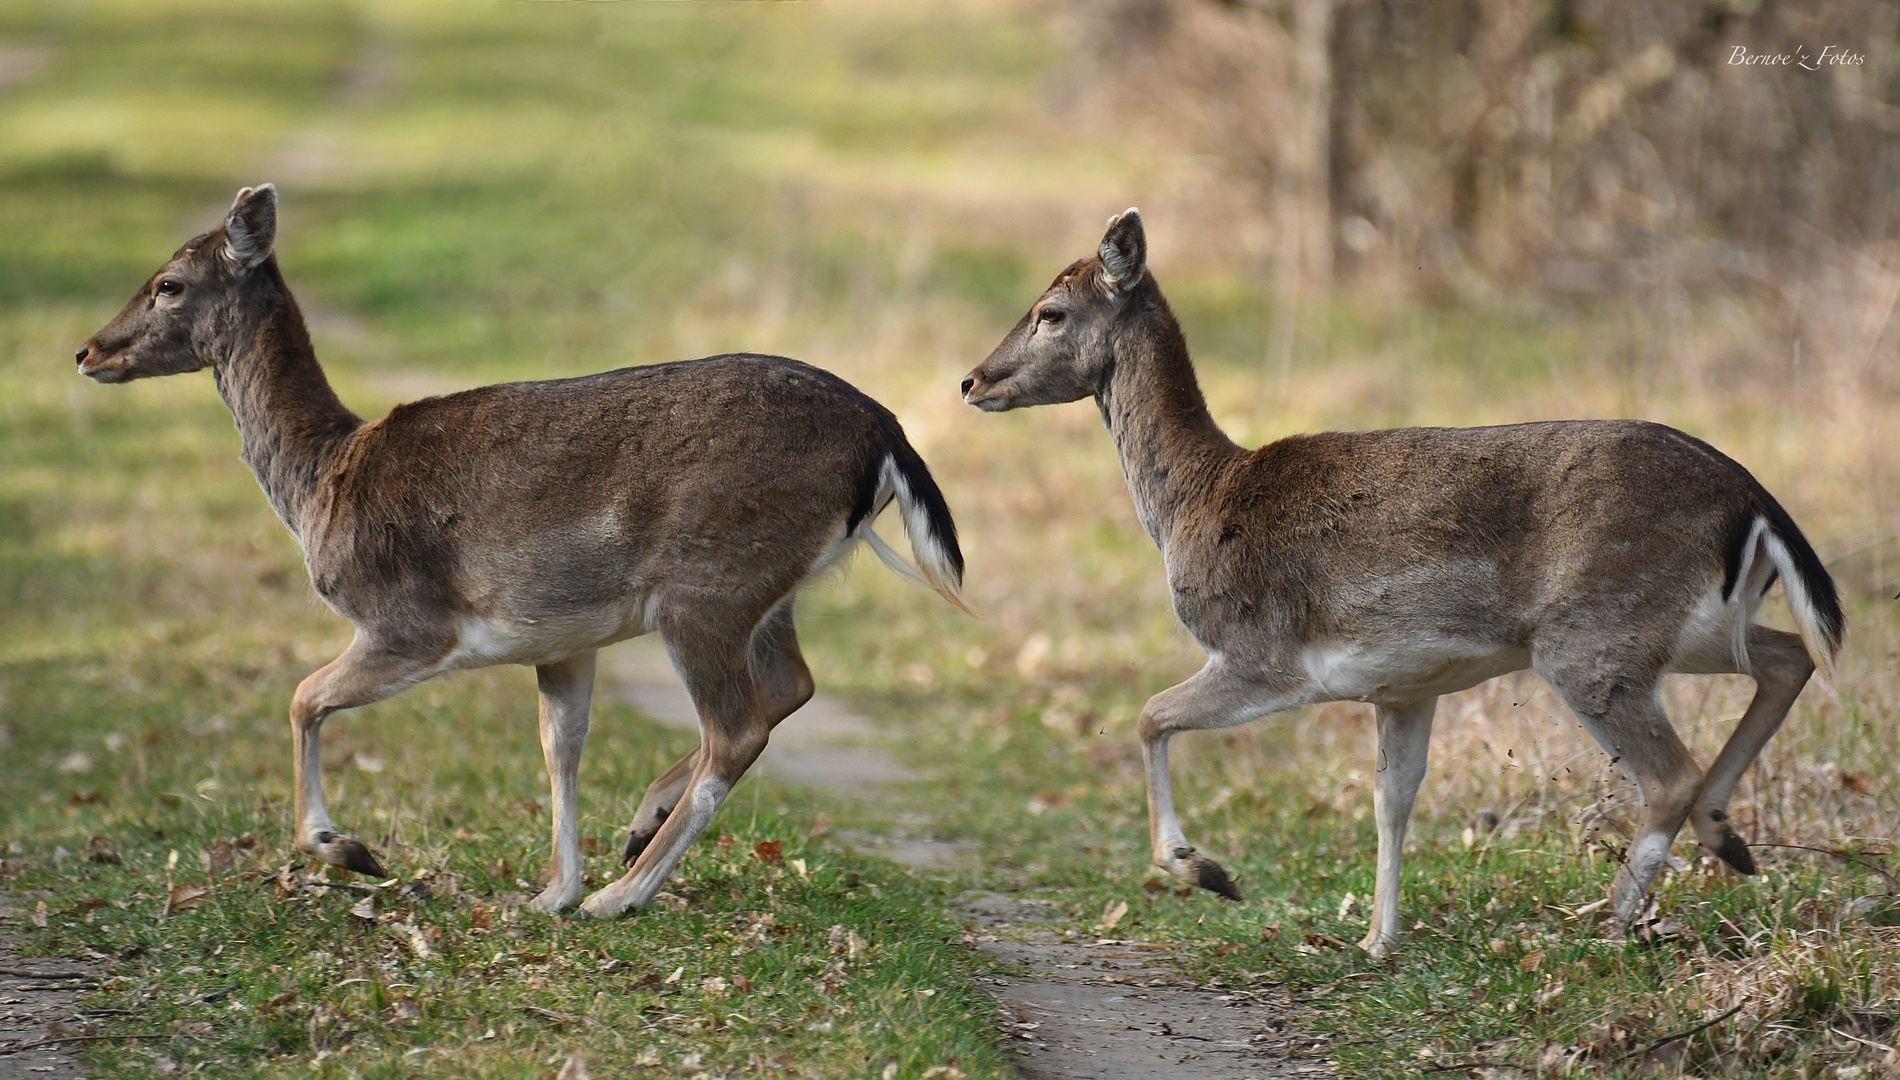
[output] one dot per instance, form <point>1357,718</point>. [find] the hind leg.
<point>1780,666</point>
<point>732,732</point>
<point>784,685</point>
<point>1626,718</point>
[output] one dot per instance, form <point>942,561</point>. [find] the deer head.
<point>1062,350</point>
<point>175,322</point>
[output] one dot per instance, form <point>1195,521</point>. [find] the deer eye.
<point>168,287</point>
<point>1052,316</point>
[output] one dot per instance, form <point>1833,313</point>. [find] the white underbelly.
<point>485,641</point>
<point>1407,670</point>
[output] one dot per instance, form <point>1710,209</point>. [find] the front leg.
<point>1405,735</point>
<point>567,698</point>
<point>1213,698</point>
<point>364,674</point>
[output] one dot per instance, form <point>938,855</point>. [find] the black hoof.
<point>1209,875</point>
<point>637,842</point>
<point>1734,851</point>
<point>358,859</point>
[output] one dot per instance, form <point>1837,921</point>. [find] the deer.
<point>1392,567</point>
<point>534,523</point>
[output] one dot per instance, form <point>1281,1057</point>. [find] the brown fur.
<point>534,522</point>
<point>1395,566</point>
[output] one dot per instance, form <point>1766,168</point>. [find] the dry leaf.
<point>575,1069</point>
<point>39,915</point>
<point>97,850</point>
<point>411,933</point>
<point>769,851</point>
<point>945,1072</point>
<point>675,977</point>
<point>364,909</point>
<point>713,985</point>
<point>1532,960</point>
<point>182,897</point>
<point>481,916</point>
<point>406,1008</point>
<point>1111,915</point>
<point>855,946</point>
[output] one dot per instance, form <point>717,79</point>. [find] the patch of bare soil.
<point>38,997</point>
<point>1103,1010</point>
<point>1112,1009</point>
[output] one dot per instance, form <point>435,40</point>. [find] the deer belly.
<point>1407,669</point>
<point>485,640</point>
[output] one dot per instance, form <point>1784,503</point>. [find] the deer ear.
<point>1124,250</point>
<point>250,229</point>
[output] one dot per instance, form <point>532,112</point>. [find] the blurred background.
<point>1366,214</point>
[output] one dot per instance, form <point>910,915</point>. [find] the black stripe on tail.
<point>923,487</point>
<point>1814,575</point>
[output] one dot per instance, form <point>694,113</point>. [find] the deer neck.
<point>1170,448</point>
<point>291,422</point>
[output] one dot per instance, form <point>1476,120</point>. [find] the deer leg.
<point>1628,721</point>
<point>784,685</point>
<point>733,732</point>
<point>567,696</point>
<point>1405,735</point>
<point>365,673</point>
<point>1780,666</point>
<point>1213,698</point>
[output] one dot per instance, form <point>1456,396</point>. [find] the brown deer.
<point>534,522</point>
<point>1395,566</point>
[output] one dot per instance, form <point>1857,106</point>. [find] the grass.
<point>540,190</point>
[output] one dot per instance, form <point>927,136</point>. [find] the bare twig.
<point>1863,1042</point>
<point>1461,1066</point>
<point>29,973</point>
<point>23,1048</point>
<point>1893,883</point>
<point>1696,1030</point>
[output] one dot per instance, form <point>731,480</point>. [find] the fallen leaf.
<point>97,850</point>
<point>741,984</point>
<point>406,1008</point>
<point>855,946</point>
<point>712,985</point>
<point>39,915</point>
<point>1532,960</point>
<point>413,935</point>
<point>1111,915</point>
<point>481,916</point>
<point>575,1069</point>
<point>675,977</point>
<point>769,851</point>
<point>277,1002</point>
<point>364,909</point>
<point>945,1072</point>
<point>184,897</point>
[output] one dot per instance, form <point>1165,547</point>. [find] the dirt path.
<point>1107,1010</point>
<point>37,996</point>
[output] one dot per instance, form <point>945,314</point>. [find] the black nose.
<point>968,380</point>
<point>80,356</point>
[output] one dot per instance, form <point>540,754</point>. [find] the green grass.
<point>537,190</point>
